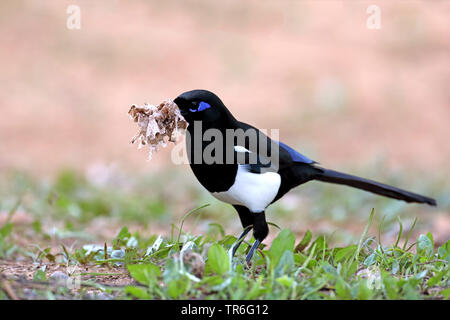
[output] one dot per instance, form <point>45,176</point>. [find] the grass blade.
<point>372,213</point>
<point>185,217</point>
<point>399,232</point>
<point>409,234</point>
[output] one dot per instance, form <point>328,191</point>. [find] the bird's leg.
<point>252,250</point>
<point>246,219</point>
<point>240,239</point>
<point>260,232</point>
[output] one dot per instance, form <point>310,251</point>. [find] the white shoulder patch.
<point>241,149</point>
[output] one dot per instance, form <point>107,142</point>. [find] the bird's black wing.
<point>277,153</point>
<point>252,162</point>
<point>295,155</point>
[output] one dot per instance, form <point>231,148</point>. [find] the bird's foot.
<point>239,240</point>
<point>252,250</point>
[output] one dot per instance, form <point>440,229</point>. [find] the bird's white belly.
<point>252,190</point>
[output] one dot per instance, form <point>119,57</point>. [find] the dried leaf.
<point>156,123</point>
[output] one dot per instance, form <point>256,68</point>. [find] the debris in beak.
<point>156,123</point>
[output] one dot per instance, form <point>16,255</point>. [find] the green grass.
<point>180,264</point>
<point>312,270</point>
<point>200,267</point>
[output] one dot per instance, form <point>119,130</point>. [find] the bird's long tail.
<point>332,176</point>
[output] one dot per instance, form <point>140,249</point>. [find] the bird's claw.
<point>252,250</point>
<point>239,241</point>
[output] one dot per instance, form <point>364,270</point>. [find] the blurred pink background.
<point>341,93</point>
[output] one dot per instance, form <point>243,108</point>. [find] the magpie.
<point>252,171</point>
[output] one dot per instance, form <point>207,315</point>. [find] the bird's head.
<point>202,105</point>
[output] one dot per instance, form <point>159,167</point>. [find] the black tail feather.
<point>371,186</point>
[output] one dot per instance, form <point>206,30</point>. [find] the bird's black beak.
<point>184,113</point>
<point>179,102</point>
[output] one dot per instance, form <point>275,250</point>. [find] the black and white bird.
<point>240,174</point>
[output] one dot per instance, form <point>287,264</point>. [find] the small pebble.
<point>59,276</point>
<point>117,254</point>
<point>97,296</point>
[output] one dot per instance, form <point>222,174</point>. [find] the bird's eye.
<point>200,106</point>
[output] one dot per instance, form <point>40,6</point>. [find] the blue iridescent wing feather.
<point>296,156</point>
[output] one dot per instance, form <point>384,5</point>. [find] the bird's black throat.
<point>217,176</point>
